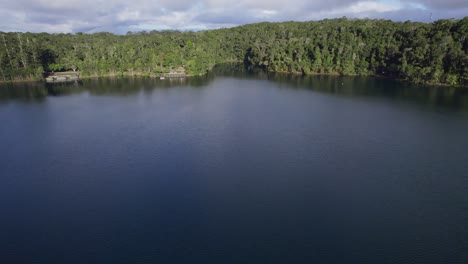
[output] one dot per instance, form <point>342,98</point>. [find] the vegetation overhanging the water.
<point>431,53</point>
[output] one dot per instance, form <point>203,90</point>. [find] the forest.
<point>429,53</point>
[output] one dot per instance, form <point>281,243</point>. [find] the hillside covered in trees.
<point>434,53</point>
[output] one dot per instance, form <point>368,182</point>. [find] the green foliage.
<point>416,52</point>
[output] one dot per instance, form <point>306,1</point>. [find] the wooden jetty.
<point>173,75</point>
<point>56,77</point>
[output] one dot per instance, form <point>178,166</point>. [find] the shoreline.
<point>153,76</point>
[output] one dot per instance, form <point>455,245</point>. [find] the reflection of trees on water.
<point>129,86</point>
<point>452,97</point>
<point>27,91</point>
<point>456,98</point>
<point>60,89</point>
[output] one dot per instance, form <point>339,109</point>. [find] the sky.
<point>121,16</point>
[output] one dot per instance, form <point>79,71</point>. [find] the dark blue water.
<point>233,168</point>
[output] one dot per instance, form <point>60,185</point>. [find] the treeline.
<point>418,52</point>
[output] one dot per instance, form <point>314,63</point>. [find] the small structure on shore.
<point>175,73</point>
<point>56,77</point>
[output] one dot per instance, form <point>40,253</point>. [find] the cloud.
<point>120,16</point>
<point>364,9</point>
<point>446,5</point>
<point>367,7</point>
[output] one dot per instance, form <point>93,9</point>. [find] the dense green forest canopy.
<point>418,52</point>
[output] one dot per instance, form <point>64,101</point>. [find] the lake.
<point>233,167</point>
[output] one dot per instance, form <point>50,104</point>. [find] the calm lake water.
<point>233,167</point>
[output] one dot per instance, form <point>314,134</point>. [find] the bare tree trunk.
<point>21,51</point>
<point>8,53</point>
<point>3,75</point>
<point>33,51</point>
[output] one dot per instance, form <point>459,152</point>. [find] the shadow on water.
<point>447,97</point>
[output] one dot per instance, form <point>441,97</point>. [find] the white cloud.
<point>365,7</point>
<point>269,12</point>
<point>369,6</point>
<point>127,14</point>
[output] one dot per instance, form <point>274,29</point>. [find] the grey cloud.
<point>405,15</point>
<point>119,16</point>
<point>446,4</point>
<point>328,4</point>
<point>218,18</point>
